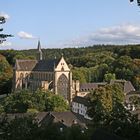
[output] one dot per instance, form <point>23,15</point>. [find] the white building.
<point>80,106</point>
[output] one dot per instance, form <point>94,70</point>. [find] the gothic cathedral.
<point>53,75</point>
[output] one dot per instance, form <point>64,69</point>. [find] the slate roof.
<point>81,100</point>
<point>67,118</point>
<point>25,65</point>
<point>34,65</point>
<point>40,116</point>
<point>127,85</point>
<point>91,86</point>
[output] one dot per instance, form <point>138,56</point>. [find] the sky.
<point>69,23</point>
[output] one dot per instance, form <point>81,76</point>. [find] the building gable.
<point>62,65</point>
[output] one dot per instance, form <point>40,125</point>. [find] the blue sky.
<point>69,23</point>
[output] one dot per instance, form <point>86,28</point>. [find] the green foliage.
<point>5,76</point>
<point>18,102</point>
<point>101,103</point>
<point>108,111</point>
<point>90,64</point>
<point>22,128</point>
<point>1,109</point>
<point>56,103</point>
<point>109,76</point>
<point>117,93</point>
<point>56,131</point>
<point>39,99</point>
<point>75,132</point>
<point>25,127</point>
<point>25,101</point>
<point>80,74</point>
<point>103,100</point>
<point>123,123</point>
<point>32,110</point>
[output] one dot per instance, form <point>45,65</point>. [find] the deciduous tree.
<point>108,111</point>
<point>6,74</point>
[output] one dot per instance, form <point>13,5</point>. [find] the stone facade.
<point>53,75</point>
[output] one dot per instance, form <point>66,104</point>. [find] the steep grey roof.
<point>127,85</point>
<point>90,86</point>
<point>44,65</point>
<point>67,118</point>
<point>81,100</point>
<point>41,115</point>
<point>34,65</point>
<point>25,65</point>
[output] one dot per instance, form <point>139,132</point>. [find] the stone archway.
<point>63,86</point>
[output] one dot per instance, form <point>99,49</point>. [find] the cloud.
<point>4,15</point>
<point>25,35</point>
<point>120,34</point>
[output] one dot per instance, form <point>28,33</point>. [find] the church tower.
<point>39,51</point>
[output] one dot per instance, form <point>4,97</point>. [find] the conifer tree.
<point>138,2</point>
<point>2,35</point>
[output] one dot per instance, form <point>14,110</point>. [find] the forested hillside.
<point>89,64</point>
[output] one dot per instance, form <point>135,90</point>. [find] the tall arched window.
<point>31,76</point>
<point>62,86</point>
<point>26,76</point>
<point>50,87</point>
<point>27,80</point>
<point>22,80</point>
<point>21,76</point>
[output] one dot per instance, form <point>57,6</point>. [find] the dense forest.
<point>89,64</point>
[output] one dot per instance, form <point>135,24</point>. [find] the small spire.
<point>39,46</point>
<point>39,50</point>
